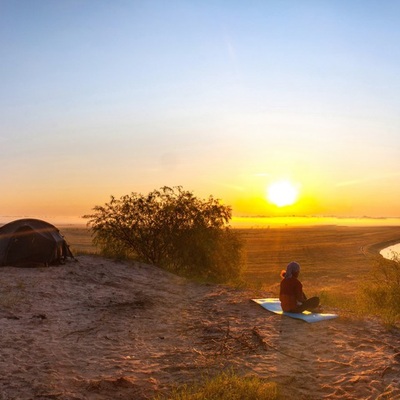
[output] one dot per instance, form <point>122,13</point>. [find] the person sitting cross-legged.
<point>291,293</point>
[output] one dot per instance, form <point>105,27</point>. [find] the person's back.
<point>291,292</point>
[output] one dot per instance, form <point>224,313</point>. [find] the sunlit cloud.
<point>355,182</point>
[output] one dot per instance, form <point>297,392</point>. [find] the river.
<point>388,252</point>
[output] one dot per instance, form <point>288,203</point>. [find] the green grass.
<point>226,386</point>
<point>380,292</point>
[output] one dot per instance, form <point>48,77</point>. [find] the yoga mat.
<point>274,305</point>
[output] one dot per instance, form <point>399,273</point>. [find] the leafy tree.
<point>170,228</point>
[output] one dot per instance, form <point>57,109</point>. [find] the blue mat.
<point>274,305</point>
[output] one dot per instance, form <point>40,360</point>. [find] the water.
<point>388,252</point>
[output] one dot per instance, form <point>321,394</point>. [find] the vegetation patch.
<point>380,293</point>
<point>173,229</point>
<point>226,386</point>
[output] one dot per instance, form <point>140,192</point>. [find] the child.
<point>291,293</point>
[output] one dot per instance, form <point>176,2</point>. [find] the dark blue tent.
<point>27,241</point>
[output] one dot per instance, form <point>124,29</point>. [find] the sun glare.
<point>282,193</point>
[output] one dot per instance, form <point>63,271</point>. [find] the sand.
<point>100,329</point>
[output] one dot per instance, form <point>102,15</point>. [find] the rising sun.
<point>282,193</point>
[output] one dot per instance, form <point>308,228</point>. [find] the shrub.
<point>170,228</point>
<point>381,291</point>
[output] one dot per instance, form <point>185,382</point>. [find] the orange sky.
<point>222,99</point>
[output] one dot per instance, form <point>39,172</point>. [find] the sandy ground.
<point>99,329</point>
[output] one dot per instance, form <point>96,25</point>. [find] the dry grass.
<point>334,259</point>
<point>79,239</point>
<point>227,386</point>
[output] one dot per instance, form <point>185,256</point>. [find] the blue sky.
<point>222,97</point>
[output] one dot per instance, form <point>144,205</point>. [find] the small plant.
<point>381,291</point>
<point>226,386</point>
<point>337,300</point>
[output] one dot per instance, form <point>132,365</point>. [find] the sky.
<point>223,98</point>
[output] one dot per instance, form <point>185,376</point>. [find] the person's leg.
<point>308,305</point>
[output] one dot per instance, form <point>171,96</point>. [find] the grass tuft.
<point>380,292</point>
<point>226,386</point>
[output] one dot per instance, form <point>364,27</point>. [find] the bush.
<point>170,228</point>
<point>227,386</point>
<point>381,291</point>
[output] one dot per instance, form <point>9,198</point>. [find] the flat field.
<point>332,258</point>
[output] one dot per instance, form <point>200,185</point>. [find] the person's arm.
<point>300,296</point>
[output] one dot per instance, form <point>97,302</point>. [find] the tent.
<point>27,241</point>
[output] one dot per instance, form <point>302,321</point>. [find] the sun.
<point>282,193</point>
